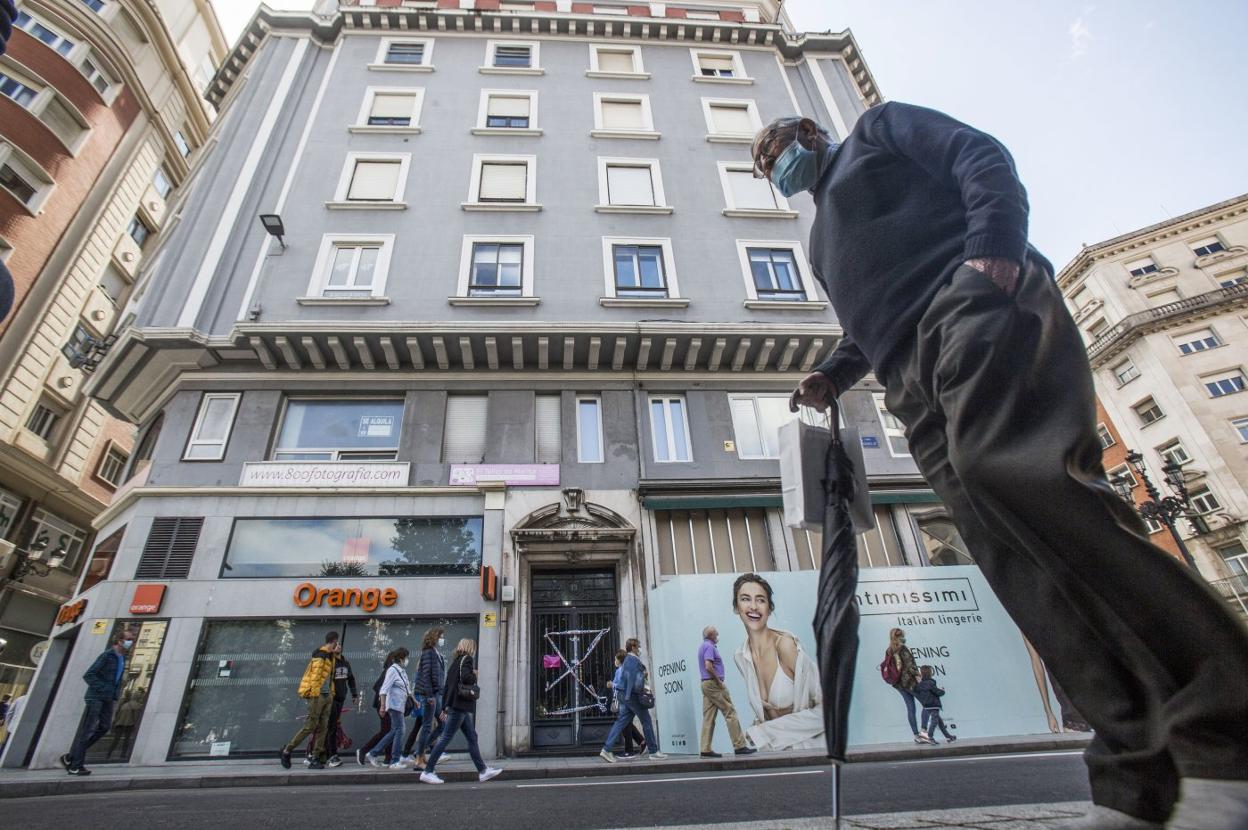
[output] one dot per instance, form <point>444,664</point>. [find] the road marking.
<point>673,780</point>
<point>1013,757</point>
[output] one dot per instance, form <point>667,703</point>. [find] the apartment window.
<point>1105,436</point>
<point>64,124</point>
<point>509,56</point>
<point>1240,425</point>
<point>43,420</point>
<point>1081,297</point>
<point>1205,247</point>
<point>496,267</point>
<point>351,267</point>
<point>55,534</point>
<point>1141,267</point>
<point>1148,411</point>
<point>613,61</point>
<point>79,342</point>
<point>630,183</point>
<point>1122,472</point>
<point>10,506</point>
<point>113,284</point>
<point>589,438</point>
<point>1098,327</point>
<point>1125,372</point>
<point>717,65</point>
<point>405,52</point>
<point>623,116</point>
<point>95,5</point>
<point>213,424</point>
<point>669,428</point>
<point>1197,341</point>
<point>1227,383</point>
<point>161,182</point>
<point>731,120</point>
<point>747,195</point>
<point>391,107</point>
<point>507,110</point>
<point>112,465</point>
<point>18,91</point>
<point>1235,555</point>
<point>548,433</point>
<point>639,271</point>
<point>724,541</point>
<point>894,430</point>
<point>1153,525</point>
<point>1238,277</point>
<point>179,141</point>
<point>1173,452</point>
<point>339,430</point>
<point>463,441</point>
<point>99,79</point>
<point>756,422</point>
<point>373,177</point>
<point>1166,297</point>
<point>18,181</point>
<point>170,547</point>
<point>1204,501</point>
<point>502,181</point>
<point>775,274</point>
<point>139,231</point>
<point>101,561</point>
<point>33,27</point>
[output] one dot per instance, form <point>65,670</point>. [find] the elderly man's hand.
<point>1003,272</point>
<point>815,391</point>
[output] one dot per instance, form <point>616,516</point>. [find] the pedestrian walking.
<point>344,682</point>
<point>315,687</point>
<point>124,722</point>
<point>715,698</point>
<point>11,716</point>
<point>900,670</point>
<point>920,241</point>
<point>929,694</point>
<point>394,697</point>
<point>428,685</point>
<point>459,706</point>
<point>384,727</point>
<point>631,698</point>
<point>631,734</point>
<point>104,681</point>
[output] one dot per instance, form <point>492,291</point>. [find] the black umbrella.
<point>836,611</point>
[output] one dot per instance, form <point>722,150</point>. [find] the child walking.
<point>929,694</point>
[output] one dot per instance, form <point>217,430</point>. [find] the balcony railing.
<point>1235,590</point>
<point>1183,307</point>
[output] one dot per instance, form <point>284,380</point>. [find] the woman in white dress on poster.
<point>781,680</point>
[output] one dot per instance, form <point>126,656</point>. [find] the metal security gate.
<point>574,639</point>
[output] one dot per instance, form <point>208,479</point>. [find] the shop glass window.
<point>241,701</point>
<point>101,561</point>
<point>353,546</point>
<point>118,743</point>
<point>340,430</point>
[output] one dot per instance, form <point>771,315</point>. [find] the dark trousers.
<point>430,728</point>
<point>910,703</point>
<point>382,731</point>
<point>999,407</point>
<point>95,723</point>
<point>933,721</point>
<point>331,728</point>
<point>633,739</point>
<point>457,721</point>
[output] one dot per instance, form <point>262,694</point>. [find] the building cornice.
<point>1117,338</point>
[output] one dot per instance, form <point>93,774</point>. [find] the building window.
<point>1207,246</point>
<point>717,65</point>
<point>1098,327</point>
<point>90,68</point>
<point>139,230</point>
<point>161,182</point>
<point>775,274</point>
<point>19,181</point>
<point>1125,372</point>
<point>1142,267</point>
<point>1153,525</point>
<point>589,438</point>
<point>1227,383</point>
<point>112,465</point>
<point>496,266</point>
<point>502,110</point>
<point>350,267</point>
<point>339,430</point>
<point>630,182</point>
<point>394,107</point>
<point>1105,436</point>
<point>18,91</point>
<point>669,428</point>
<point>639,271</point>
<point>731,120</point>
<point>747,195</point>
<point>1122,472</point>
<point>1231,278</point>
<point>1240,425</point>
<point>373,177</point>
<point>1170,295</point>
<point>43,420</point>
<point>1204,501</point>
<point>622,116</point>
<point>55,534</point>
<point>113,284</point>
<point>101,561</point>
<point>54,40</point>
<point>463,441</point>
<point>405,52</point>
<point>1235,555</point>
<point>170,547</point>
<point>213,424</point>
<point>756,422</point>
<point>1148,411</point>
<point>1173,452</point>
<point>726,541</point>
<point>548,432</point>
<point>10,506</point>
<point>509,56</point>
<point>894,429</point>
<point>1197,341</point>
<point>615,61</point>
<point>62,122</point>
<point>78,344</point>
<point>96,5</point>
<point>941,540</point>
<point>503,180</point>
<point>184,146</point>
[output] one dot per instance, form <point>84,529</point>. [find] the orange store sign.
<point>71,612</point>
<point>366,599</point>
<point>147,599</point>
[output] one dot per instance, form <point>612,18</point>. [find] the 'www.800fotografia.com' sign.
<point>325,474</point>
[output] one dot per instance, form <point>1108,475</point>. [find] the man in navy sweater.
<point>104,681</point>
<point>920,240</point>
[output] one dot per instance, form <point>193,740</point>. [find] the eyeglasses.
<point>764,159</point>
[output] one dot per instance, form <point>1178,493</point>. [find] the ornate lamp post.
<point>1164,509</point>
<point>30,560</point>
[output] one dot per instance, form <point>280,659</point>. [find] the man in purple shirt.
<point>715,697</point>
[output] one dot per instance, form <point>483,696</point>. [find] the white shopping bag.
<point>804,459</point>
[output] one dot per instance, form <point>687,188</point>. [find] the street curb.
<point>341,776</point>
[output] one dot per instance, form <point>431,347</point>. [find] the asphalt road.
<point>692,798</point>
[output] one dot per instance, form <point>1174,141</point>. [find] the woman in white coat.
<point>781,680</point>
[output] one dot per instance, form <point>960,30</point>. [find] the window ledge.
<point>506,131</point>
<point>1124,383</point>
<point>632,209</point>
<point>787,305</point>
<point>649,135</point>
<point>495,302</point>
<point>1150,423</point>
<point>633,76</point>
<point>706,79</point>
<point>383,130</point>
<point>510,70</point>
<point>1205,350</point>
<point>759,213</point>
<point>343,300</point>
<point>643,302</point>
<point>366,205</point>
<point>400,67</point>
<point>729,138</point>
<point>501,207</point>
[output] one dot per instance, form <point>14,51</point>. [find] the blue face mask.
<point>797,169</point>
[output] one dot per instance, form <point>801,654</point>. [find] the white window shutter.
<point>374,180</point>
<point>463,440</point>
<point>749,192</point>
<point>508,107</point>
<point>731,119</point>
<point>548,429</point>
<point>715,62</point>
<point>503,181</point>
<point>621,115</point>
<point>615,61</point>
<point>629,185</point>
<point>388,105</point>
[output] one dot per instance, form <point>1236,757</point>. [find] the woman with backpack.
<point>394,696</point>
<point>901,672</point>
<point>460,705</point>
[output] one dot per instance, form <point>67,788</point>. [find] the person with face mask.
<point>920,241</point>
<point>394,693</point>
<point>428,685</point>
<point>104,681</point>
<point>317,688</point>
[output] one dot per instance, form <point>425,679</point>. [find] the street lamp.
<point>30,560</point>
<point>1158,508</point>
<point>274,226</point>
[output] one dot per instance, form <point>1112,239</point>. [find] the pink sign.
<point>551,661</point>
<point>513,475</point>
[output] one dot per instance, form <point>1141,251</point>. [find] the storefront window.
<point>340,430</point>
<point>414,546</point>
<point>101,561</point>
<point>243,695</point>
<point>149,636</point>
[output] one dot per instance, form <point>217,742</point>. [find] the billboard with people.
<point>938,660</point>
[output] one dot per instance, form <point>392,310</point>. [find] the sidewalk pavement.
<point>24,783</point>
<point>1015,817</point>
